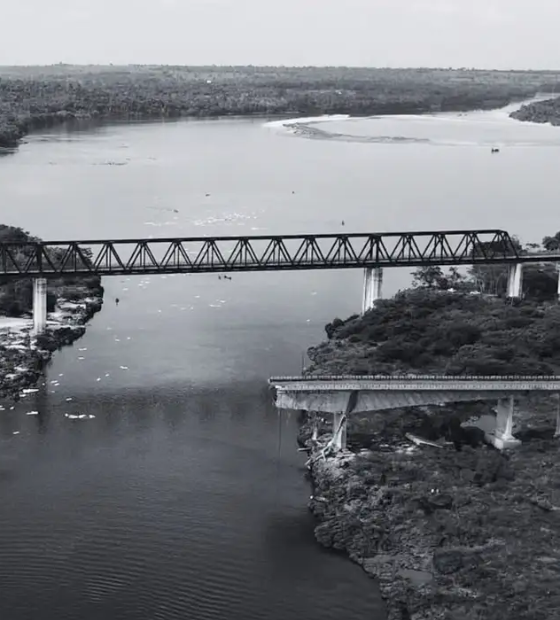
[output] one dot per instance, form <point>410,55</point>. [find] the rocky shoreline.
<point>450,535</point>
<point>23,357</point>
<point>452,528</point>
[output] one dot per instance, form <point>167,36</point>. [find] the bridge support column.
<point>558,289</point>
<point>315,428</point>
<point>339,431</point>
<point>373,285</point>
<point>515,281</point>
<point>502,437</point>
<point>557,431</point>
<point>39,305</point>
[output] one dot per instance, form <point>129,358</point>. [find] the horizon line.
<point>280,66</point>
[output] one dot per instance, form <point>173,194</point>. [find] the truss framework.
<point>258,253</point>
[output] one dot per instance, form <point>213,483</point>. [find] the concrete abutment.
<point>39,305</point>
<point>515,281</point>
<point>373,287</point>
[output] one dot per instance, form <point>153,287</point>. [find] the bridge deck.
<point>262,253</point>
<point>417,383</point>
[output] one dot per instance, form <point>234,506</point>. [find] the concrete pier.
<point>39,305</point>
<point>515,281</point>
<point>339,431</point>
<point>373,285</point>
<point>502,437</point>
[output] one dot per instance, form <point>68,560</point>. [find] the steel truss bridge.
<point>51,259</point>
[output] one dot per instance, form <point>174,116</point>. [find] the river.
<point>184,497</point>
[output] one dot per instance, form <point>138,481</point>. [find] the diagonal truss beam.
<point>262,253</point>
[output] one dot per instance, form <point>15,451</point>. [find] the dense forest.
<point>453,323</point>
<point>38,97</point>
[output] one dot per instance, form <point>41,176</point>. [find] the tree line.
<point>33,98</point>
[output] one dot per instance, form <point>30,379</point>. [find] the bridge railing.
<point>410,377</point>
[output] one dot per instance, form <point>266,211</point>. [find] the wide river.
<point>184,497</point>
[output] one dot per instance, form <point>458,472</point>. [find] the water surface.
<point>184,496</point>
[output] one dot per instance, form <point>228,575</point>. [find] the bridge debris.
<point>419,441</point>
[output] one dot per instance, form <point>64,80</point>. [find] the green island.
<point>71,302</point>
<point>463,532</point>
<point>34,98</point>
<point>547,111</point>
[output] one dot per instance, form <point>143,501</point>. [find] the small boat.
<point>495,150</point>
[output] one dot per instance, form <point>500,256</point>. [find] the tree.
<point>552,243</point>
<point>430,277</point>
<point>540,282</point>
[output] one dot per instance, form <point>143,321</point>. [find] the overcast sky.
<point>481,33</point>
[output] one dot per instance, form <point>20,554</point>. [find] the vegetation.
<point>37,97</point>
<point>443,325</point>
<point>470,535</point>
<point>440,332</point>
<point>16,296</point>
<point>547,111</point>
<point>463,531</point>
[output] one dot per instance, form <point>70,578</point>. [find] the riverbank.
<point>23,357</point>
<point>71,301</point>
<point>66,94</point>
<point>547,111</point>
<point>467,535</point>
<point>450,534</point>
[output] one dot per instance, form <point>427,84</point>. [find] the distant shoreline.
<point>60,95</point>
